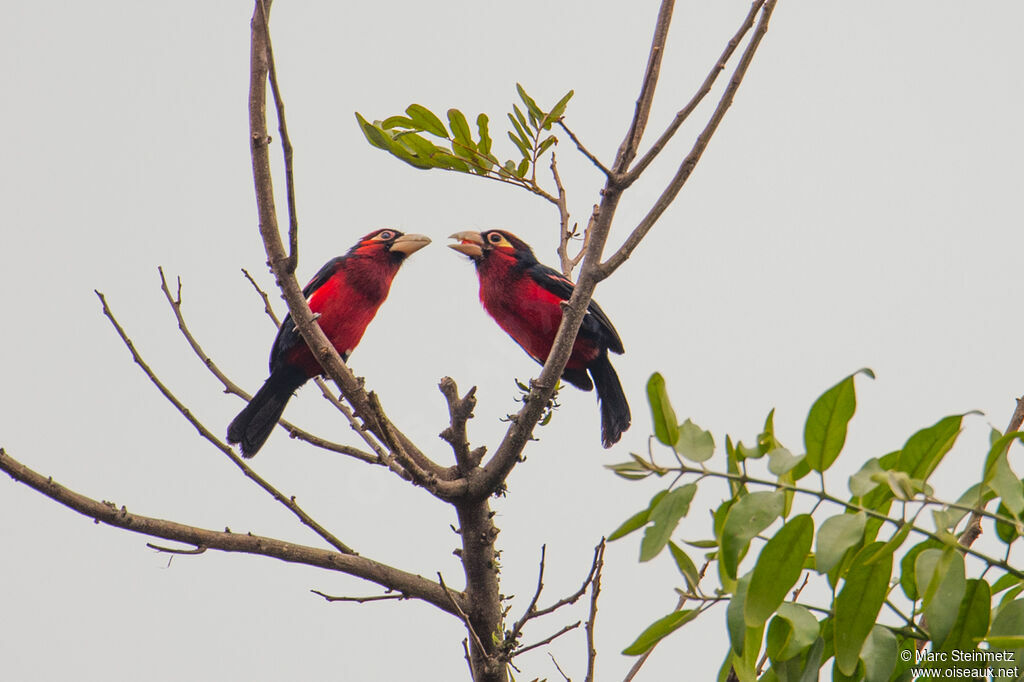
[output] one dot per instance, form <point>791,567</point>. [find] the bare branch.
<point>559,668</point>
<point>564,232</point>
<point>583,150</point>
<point>690,162</point>
<point>574,597</point>
<point>288,502</point>
<point>311,333</point>
<point>627,150</point>
<point>465,619</point>
<point>361,600</point>
<point>266,300</point>
<point>697,98</point>
<point>231,387</point>
<point>548,640</point>
<point>595,590</point>
<point>388,577</point>
<point>460,411</point>
<point>286,144</point>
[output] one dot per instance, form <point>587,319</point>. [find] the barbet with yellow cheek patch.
<point>345,295</point>
<point>524,297</point>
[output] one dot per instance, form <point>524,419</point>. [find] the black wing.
<point>288,335</point>
<point>595,321</point>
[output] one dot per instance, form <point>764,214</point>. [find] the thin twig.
<point>690,162</point>
<point>361,600</point>
<point>517,629</point>
<point>548,640</point>
<point>627,151</point>
<point>288,502</point>
<point>697,98</point>
<point>559,668</point>
<point>286,148</point>
<point>462,614</point>
<point>583,150</point>
<point>564,232</point>
<point>230,386</point>
<point>574,597</point>
<point>595,590</point>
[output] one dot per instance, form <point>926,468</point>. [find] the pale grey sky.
<point>860,206</point>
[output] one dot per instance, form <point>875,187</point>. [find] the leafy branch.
<point>404,138</point>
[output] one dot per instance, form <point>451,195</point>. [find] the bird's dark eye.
<point>385,235</point>
<point>495,238</point>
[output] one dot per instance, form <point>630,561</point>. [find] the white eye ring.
<point>495,238</point>
<point>385,235</point>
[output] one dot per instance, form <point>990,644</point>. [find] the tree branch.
<point>314,337</point>
<point>460,411</point>
<point>628,148</point>
<point>230,386</point>
<point>388,577</point>
<point>698,97</point>
<point>690,162</point>
<point>583,150</point>
<point>288,502</point>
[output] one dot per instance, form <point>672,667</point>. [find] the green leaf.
<point>748,517</point>
<point>557,111</point>
<point>925,449</point>
<point>781,461</point>
<point>638,520</point>
<point>734,619</point>
<point>1006,633</point>
<point>374,135</point>
<point>791,632</point>
<point>460,129</point>
<point>519,145</point>
<point>999,448</point>
<point>943,573</point>
<point>535,111</point>
<point>522,126</point>
<point>836,535</point>
<point>778,567</point>
<point>546,143</point>
<point>524,166</point>
<point>693,442</point>
<point>658,630</point>
<point>1007,581</point>
<point>1006,531</point>
<point>685,565</point>
<point>665,425</point>
<point>485,137</point>
<point>857,606</point>
<point>397,122</point>
<point>972,618</point>
<point>1007,485</point>
<point>907,579</point>
<point>879,654</point>
<point>893,543</point>
<point>664,519</point>
<point>825,430</point>
<point>426,119</point>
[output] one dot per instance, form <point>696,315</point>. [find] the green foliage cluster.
<point>780,627</point>
<point>407,138</point>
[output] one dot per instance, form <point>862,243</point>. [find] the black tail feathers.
<point>251,428</point>
<point>615,417</point>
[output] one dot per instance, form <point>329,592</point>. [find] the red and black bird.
<point>524,297</point>
<point>345,295</point>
